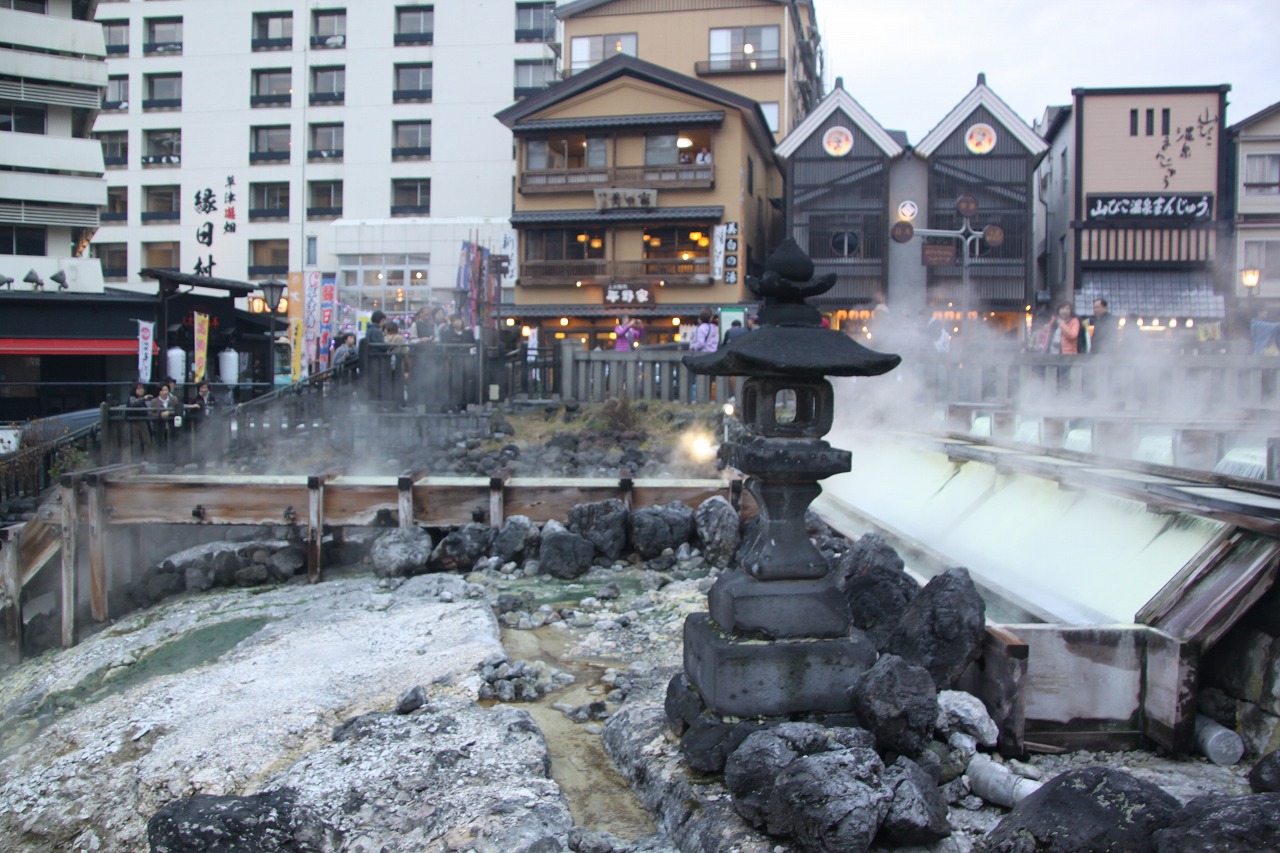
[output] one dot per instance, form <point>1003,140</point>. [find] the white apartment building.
<point>275,139</point>
<point>51,78</point>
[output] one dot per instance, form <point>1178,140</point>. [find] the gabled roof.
<point>1260,115</point>
<point>568,10</point>
<point>629,66</point>
<point>840,100</point>
<point>981,96</point>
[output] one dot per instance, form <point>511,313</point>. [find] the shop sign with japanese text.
<point>1176,207</point>
<point>627,294</point>
<point>623,199</point>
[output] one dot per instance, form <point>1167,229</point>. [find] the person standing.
<point>1105,337</point>
<point>1265,333</point>
<point>140,421</point>
<point>627,334</point>
<point>1063,334</point>
<point>736,330</point>
<point>706,336</point>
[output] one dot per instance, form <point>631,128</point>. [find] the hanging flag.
<point>295,344</point>
<point>146,336</point>
<point>202,345</point>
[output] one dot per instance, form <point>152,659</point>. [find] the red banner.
<point>202,345</point>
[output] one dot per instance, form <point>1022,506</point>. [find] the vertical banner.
<point>295,347</point>
<point>311,317</point>
<point>146,334</point>
<point>202,345</point>
<point>717,252</point>
<point>328,299</point>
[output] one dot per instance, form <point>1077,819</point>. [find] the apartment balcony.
<point>675,177</point>
<point>740,64</point>
<point>656,272</point>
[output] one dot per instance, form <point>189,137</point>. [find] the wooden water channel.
<point>95,508</point>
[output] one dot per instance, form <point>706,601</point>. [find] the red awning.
<point>69,346</point>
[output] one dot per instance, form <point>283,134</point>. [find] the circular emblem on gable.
<point>908,210</point>
<point>980,138</point>
<point>838,141</point>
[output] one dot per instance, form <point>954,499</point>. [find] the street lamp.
<point>272,291</point>
<point>1250,279</point>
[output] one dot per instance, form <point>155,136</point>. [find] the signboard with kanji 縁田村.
<point>627,294</point>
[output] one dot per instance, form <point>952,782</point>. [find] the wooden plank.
<point>496,501</point>
<point>97,554</point>
<point>315,525</point>
<point>404,494</point>
<point>70,553</point>
<point>129,502</point>
<point>10,574</point>
<point>1169,691</point>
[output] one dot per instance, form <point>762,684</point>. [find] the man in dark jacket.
<point>1106,329</point>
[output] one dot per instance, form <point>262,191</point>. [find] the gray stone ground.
<point>237,691</point>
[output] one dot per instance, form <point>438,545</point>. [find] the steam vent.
<point>782,592</point>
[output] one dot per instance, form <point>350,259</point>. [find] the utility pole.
<point>968,237</point>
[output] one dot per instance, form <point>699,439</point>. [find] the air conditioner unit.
<point>335,41</point>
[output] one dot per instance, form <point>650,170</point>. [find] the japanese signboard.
<point>938,254</point>
<point>724,253</point>
<point>1180,208</point>
<point>202,345</point>
<point>624,199</point>
<point>627,294</point>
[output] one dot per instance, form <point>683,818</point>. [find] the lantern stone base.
<point>751,678</point>
<point>747,607</point>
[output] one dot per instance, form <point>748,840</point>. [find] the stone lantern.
<point>777,638</point>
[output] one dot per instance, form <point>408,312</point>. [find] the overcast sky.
<point>909,63</point>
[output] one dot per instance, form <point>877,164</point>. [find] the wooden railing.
<point>674,176</point>
<point>659,272</point>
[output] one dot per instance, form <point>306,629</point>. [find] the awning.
<point>631,214</point>
<point>68,346</point>
<point>1182,293</point>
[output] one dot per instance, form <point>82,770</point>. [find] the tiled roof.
<point>600,122</point>
<point>651,214</point>
<point>581,310</point>
<point>1151,294</point>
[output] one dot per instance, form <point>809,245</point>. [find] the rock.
<point>682,704</point>
<point>897,703</point>
<point>942,627</point>
<point>517,540</point>
<point>656,528</point>
<point>254,574</point>
<point>963,712</point>
<point>225,566</point>
<point>564,554</point>
<point>719,530</point>
<point>1265,775</point>
<point>1092,809</point>
<point>401,552</point>
<point>831,801</point>
<point>287,563</point>
<point>707,744</point>
<point>1221,823</point>
<point>878,590</point>
<point>918,813</point>
<point>461,548</point>
<point>751,769</point>
<point>271,820</point>
<point>603,524</point>
<point>411,700</point>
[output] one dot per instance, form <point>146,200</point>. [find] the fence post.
<point>568,367</point>
<point>10,568</point>
<point>70,556</point>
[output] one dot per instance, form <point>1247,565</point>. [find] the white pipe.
<point>996,783</point>
<point>1217,742</point>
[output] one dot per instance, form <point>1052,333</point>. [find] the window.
<point>1062,259</point>
<point>271,86</point>
<point>596,152</point>
<point>163,148</point>
<point>117,209</point>
<point>744,48</point>
<point>329,28</point>
<point>770,110</point>
<point>566,244</point>
<point>164,35</point>
<point>161,256</point>
<point>413,83</point>
<point>115,147</point>
<point>660,150</point>
<point>269,201</point>
<point>751,177</point>
<point>272,31</point>
<point>37,6</point>
<point>1062,162</point>
<point>326,142</point>
<point>1133,122</point>
<point>573,151</point>
<point>269,144</point>
<point>328,85</point>
<point>1264,256</point>
<point>161,204</point>
<point>586,51</point>
<point>412,139</point>
<point>268,257</point>
<point>414,24</point>
<point>324,199</point>
<point>164,91</point>
<point>1262,174</point>
<point>113,257</point>
<point>117,94</point>
<point>410,196</point>
<point>16,119</point>
<point>22,240</point>
<point>532,76</point>
<point>1151,122</point>
<point>535,21</point>
<point>116,34</point>
<point>1164,122</point>
<point>313,250</point>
